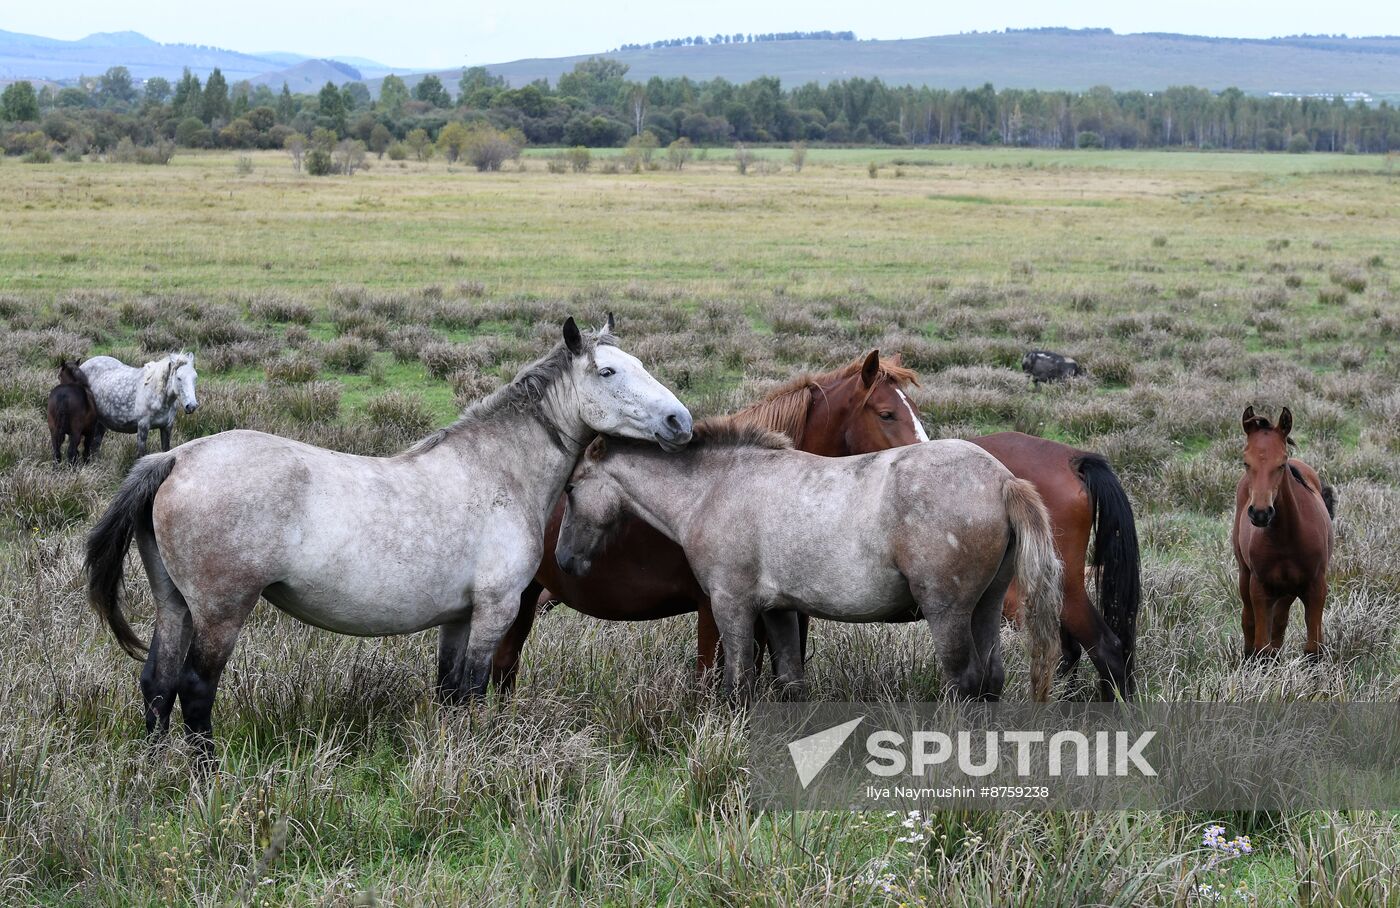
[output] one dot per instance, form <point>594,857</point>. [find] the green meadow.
<point>360,313</point>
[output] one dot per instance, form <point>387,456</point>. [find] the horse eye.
<point>607,371</point>
<point>887,415</point>
<point>569,489</point>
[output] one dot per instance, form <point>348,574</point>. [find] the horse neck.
<point>538,446</point>
<point>824,434</point>
<point>1286,521</point>
<point>665,490</point>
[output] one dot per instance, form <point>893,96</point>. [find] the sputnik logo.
<point>811,754</point>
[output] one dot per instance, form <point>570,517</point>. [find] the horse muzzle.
<point>571,564</point>
<point>675,431</point>
<point>1261,517</point>
<point>190,408</point>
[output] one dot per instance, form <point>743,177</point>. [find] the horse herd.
<point>584,479</point>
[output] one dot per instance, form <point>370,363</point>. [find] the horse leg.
<point>1313,600</point>
<point>214,639</point>
<point>170,642</point>
<point>141,431</point>
<point>1279,624</point>
<point>953,642</point>
<point>97,435</point>
<point>72,448</point>
<point>707,641</point>
<point>452,642</point>
<point>1247,614</point>
<point>1263,624</point>
<point>735,618</point>
<point>986,635</point>
<point>784,641</point>
<point>492,616</point>
<point>505,665</point>
<point>56,441</point>
<point>165,438</point>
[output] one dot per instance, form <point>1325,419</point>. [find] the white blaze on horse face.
<point>618,396</point>
<point>918,423</point>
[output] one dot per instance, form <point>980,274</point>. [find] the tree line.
<point>741,38</point>
<point>596,105</point>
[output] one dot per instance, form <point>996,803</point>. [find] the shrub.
<point>1089,140</point>
<point>291,370</point>
<point>398,152</point>
<point>487,148</point>
<point>278,309</point>
<point>798,156</point>
<point>442,358</point>
<point>348,354</point>
<point>743,157</point>
<point>319,163</point>
<point>1331,296</point>
<point>1300,144</point>
<point>398,413</point>
<point>1350,278</point>
<point>678,153</point>
<point>556,163</point>
<point>580,158</point>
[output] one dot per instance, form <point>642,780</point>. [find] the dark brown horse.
<point>72,414</point>
<point>1282,536</point>
<point>856,409</point>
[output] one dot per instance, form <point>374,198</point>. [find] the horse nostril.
<point>673,422</point>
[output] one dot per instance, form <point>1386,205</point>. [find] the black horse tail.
<point>1116,561</point>
<point>1329,498</point>
<point>108,542</point>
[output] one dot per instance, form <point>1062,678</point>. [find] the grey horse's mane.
<point>524,392</point>
<point>730,432</point>
<point>171,362</point>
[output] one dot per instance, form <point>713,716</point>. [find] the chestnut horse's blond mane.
<point>785,408</point>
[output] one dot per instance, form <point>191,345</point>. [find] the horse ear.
<point>607,325</point>
<point>870,369</point>
<point>596,449</point>
<point>1285,422</point>
<point>1248,420</point>
<point>572,338</point>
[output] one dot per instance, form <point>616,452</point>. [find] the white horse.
<point>137,399</point>
<point>447,534</point>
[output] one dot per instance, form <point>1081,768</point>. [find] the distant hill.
<point>308,76</point>
<point>1041,58</point>
<point>35,57</point>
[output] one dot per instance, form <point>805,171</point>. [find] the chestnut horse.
<point>1083,496</point>
<point>1282,537</point>
<point>856,409</point>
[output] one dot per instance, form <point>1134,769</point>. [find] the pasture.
<point>360,313</point>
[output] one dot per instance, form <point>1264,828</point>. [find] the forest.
<point>596,105</point>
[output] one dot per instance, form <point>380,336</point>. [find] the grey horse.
<point>446,534</point>
<point>140,398</point>
<point>938,529</point>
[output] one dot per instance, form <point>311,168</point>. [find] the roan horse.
<point>937,529</point>
<point>446,534</point>
<point>1282,537</point>
<point>856,409</point>
<point>72,414</point>
<point>131,399</point>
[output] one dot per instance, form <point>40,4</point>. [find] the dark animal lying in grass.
<point>72,414</point>
<point>1044,366</point>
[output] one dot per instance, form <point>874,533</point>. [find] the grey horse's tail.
<point>108,543</point>
<point>1039,577</point>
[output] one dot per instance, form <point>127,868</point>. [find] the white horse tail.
<point>108,543</point>
<point>1039,577</point>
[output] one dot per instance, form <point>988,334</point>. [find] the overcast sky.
<point>447,33</point>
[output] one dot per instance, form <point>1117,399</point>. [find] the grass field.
<point>360,313</point>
